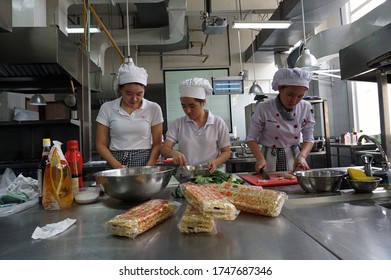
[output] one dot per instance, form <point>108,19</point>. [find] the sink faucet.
<point>385,163</point>
<point>243,146</point>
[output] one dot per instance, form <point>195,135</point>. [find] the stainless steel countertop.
<point>247,237</point>
<point>309,227</point>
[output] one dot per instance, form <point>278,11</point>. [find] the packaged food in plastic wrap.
<point>142,217</point>
<point>192,221</point>
<point>262,201</point>
<point>57,189</point>
<point>209,202</point>
<point>228,188</point>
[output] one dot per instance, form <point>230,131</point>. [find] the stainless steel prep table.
<point>353,228</point>
<point>247,237</point>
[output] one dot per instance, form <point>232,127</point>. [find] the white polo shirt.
<point>199,145</point>
<point>130,132</point>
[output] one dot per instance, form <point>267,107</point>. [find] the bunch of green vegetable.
<point>216,177</point>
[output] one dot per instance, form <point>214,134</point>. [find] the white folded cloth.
<point>51,230</point>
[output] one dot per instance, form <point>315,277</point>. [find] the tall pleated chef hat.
<point>130,73</point>
<point>195,87</point>
<point>291,77</point>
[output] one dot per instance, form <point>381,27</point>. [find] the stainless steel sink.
<point>385,205</point>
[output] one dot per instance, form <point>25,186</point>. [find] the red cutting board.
<point>274,180</point>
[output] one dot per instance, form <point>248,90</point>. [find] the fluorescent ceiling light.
<point>270,24</point>
<point>81,30</point>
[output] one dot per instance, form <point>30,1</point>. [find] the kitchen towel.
<point>51,230</point>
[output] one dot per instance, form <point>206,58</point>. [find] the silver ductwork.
<point>326,45</point>
<point>361,60</point>
<point>271,41</point>
<point>147,38</point>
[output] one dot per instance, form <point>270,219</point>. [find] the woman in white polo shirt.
<point>202,137</point>
<point>279,124</point>
<point>129,128</point>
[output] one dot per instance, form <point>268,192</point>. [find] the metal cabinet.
<point>346,154</point>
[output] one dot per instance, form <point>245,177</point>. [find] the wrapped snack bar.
<point>142,217</point>
<point>192,221</point>
<point>209,202</point>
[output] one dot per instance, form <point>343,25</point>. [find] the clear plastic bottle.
<point>42,166</point>
<point>347,138</point>
<point>75,162</point>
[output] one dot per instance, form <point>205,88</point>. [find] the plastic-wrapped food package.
<point>209,202</point>
<point>262,201</point>
<point>192,221</point>
<point>252,199</point>
<point>142,217</point>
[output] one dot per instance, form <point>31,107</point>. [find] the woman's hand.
<point>261,163</point>
<point>212,166</point>
<point>179,158</point>
<point>300,164</point>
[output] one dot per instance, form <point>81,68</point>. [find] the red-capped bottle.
<point>75,162</point>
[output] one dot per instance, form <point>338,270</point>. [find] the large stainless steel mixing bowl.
<point>185,173</point>
<point>135,183</point>
<point>321,180</point>
<point>364,186</point>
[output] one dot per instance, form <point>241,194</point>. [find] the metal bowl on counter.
<point>364,186</point>
<point>313,181</point>
<point>135,183</point>
<point>185,173</point>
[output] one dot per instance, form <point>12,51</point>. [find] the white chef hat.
<point>195,87</point>
<point>130,73</point>
<point>291,77</point>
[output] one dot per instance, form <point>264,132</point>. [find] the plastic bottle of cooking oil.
<point>57,190</point>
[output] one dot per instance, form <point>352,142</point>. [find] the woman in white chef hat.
<point>279,124</point>
<point>202,137</point>
<point>129,128</point>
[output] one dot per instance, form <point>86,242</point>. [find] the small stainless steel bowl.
<point>135,183</point>
<point>364,186</point>
<point>185,173</point>
<point>321,180</point>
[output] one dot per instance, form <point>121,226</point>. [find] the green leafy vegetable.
<point>216,177</point>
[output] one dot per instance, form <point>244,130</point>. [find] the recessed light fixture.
<point>270,24</point>
<point>81,30</point>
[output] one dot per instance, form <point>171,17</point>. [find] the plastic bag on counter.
<point>17,193</point>
<point>57,189</point>
<point>142,217</point>
<point>7,179</point>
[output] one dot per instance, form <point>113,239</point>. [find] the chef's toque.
<point>196,87</point>
<point>130,73</point>
<point>291,77</point>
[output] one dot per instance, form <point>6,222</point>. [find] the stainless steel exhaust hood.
<point>41,59</point>
<point>361,60</point>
